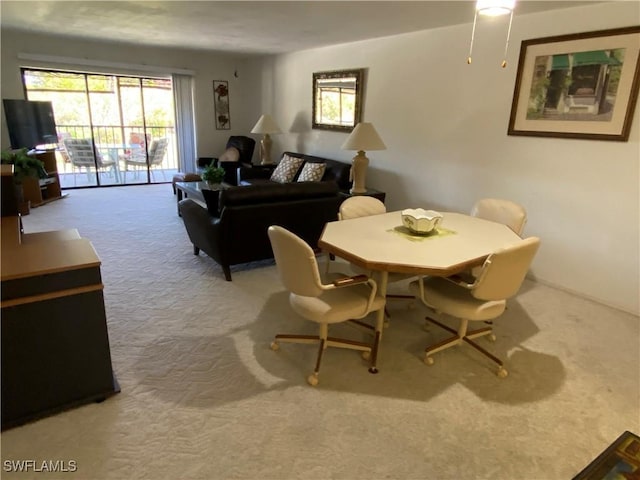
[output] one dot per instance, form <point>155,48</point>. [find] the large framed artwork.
<point>221,104</point>
<point>583,85</point>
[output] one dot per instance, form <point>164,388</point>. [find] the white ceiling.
<point>248,27</point>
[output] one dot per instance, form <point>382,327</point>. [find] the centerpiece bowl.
<point>421,221</point>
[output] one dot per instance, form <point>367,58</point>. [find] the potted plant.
<point>24,165</point>
<point>213,175</point>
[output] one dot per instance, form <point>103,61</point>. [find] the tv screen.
<point>30,123</point>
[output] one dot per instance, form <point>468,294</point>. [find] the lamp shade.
<point>364,137</point>
<point>266,124</point>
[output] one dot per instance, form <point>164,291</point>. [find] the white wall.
<point>207,67</point>
<point>444,123</point>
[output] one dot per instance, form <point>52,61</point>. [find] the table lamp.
<point>363,137</point>
<point>266,125</point>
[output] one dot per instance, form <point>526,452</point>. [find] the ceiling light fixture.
<point>493,8</point>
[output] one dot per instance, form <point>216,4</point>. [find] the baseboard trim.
<point>582,295</point>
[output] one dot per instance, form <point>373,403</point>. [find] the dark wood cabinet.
<point>54,342</point>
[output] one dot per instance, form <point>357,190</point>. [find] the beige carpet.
<point>203,396</point>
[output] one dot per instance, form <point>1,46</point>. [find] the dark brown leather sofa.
<point>335,171</point>
<point>233,228</point>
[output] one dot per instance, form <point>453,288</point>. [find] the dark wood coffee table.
<point>194,190</point>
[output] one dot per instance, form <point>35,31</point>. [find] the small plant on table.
<point>212,174</point>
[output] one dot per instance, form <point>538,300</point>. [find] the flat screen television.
<point>30,123</point>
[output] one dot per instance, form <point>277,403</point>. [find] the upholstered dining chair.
<point>138,158</point>
<point>497,210</point>
<point>485,299</point>
<point>361,206</point>
<point>506,212</point>
<point>344,298</point>
<point>82,154</point>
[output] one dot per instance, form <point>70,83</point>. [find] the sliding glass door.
<point>112,129</point>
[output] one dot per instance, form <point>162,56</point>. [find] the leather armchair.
<point>238,153</point>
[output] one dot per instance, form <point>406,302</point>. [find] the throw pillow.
<point>312,172</point>
<point>230,155</point>
<point>286,170</point>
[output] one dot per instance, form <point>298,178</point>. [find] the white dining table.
<point>382,244</point>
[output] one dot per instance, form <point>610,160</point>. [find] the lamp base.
<point>265,150</point>
<point>359,172</point>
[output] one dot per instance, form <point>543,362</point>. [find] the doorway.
<point>112,129</point>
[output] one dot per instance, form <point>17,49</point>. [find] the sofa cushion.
<point>312,172</point>
<point>286,169</point>
<point>335,171</point>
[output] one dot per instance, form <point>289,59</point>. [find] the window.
<point>129,121</point>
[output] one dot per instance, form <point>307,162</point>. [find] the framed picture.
<point>621,459</point>
<point>583,85</point>
<point>221,104</point>
<point>337,99</point>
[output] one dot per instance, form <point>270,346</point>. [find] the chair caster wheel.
<point>312,379</point>
<point>275,346</point>
<point>366,355</point>
<point>492,337</point>
<point>373,370</point>
<point>428,360</point>
<point>502,372</point>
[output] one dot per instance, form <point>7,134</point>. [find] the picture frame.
<point>619,458</point>
<point>221,104</point>
<point>582,85</point>
<point>337,99</point>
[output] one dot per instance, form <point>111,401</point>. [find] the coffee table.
<point>194,190</point>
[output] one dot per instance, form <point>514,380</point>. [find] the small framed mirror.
<point>337,99</point>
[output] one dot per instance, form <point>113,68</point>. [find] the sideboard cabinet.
<point>54,341</point>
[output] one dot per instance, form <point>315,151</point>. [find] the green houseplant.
<point>24,165</point>
<point>212,174</point>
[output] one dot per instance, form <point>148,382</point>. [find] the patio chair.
<point>138,159</point>
<point>83,154</point>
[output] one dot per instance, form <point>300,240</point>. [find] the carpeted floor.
<point>203,396</point>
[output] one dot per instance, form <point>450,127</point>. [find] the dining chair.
<point>83,154</point>
<point>361,206</point>
<point>502,211</point>
<point>342,299</point>
<point>138,157</point>
<point>484,299</point>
